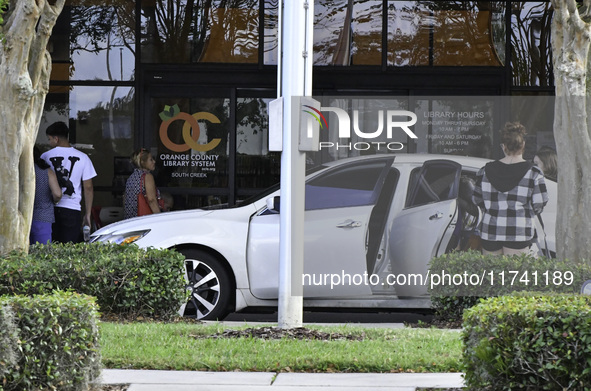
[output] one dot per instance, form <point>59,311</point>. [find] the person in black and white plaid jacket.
<point>510,192</point>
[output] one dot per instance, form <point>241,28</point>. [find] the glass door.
<point>256,167</point>
<point>189,132</point>
<point>210,144</point>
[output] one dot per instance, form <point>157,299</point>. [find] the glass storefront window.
<point>408,33</point>
<point>419,33</point>
<point>94,42</point>
<point>536,112</point>
<point>101,121</point>
<point>457,125</point>
<point>256,167</point>
<point>270,32</point>
<point>531,52</point>
<point>469,126</point>
<point>348,32</point>
<point>188,31</point>
<point>446,33</point>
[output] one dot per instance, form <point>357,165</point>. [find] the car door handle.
<point>349,224</point>
<point>436,216</point>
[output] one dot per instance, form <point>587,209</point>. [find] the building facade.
<point>191,80</point>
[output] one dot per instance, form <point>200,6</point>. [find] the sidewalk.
<point>144,380</point>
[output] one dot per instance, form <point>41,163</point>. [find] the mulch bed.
<point>110,387</point>
<point>278,333</point>
<point>439,324</point>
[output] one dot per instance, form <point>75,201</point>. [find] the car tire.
<point>209,286</point>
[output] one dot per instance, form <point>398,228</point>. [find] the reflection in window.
<point>409,32</point>
<point>101,125</point>
<point>183,31</point>
<point>256,167</point>
<point>531,57</point>
<point>94,42</point>
<point>270,32</point>
<point>464,33</point>
<point>348,32</point>
<point>419,33</point>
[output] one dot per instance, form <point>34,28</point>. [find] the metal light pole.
<point>294,80</point>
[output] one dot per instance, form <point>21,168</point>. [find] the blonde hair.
<point>140,157</point>
<point>513,137</point>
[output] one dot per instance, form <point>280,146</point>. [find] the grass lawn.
<point>190,346</point>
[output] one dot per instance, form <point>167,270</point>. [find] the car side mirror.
<point>273,204</point>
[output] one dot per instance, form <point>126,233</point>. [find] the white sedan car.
<point>371,224</point>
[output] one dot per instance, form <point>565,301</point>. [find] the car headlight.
<point>121,238</point>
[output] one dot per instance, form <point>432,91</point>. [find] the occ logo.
<point>190,130</point>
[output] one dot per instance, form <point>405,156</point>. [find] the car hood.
<point>145,222</point>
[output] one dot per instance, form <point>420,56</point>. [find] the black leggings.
<point>490,245</point>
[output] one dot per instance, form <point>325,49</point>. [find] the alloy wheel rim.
<point>204,287</point>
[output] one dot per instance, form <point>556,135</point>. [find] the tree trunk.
<point>25,65</point>
<point>570,41</point>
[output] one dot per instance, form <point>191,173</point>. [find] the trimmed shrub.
<point>528,342</point>
<point>494,275</point>
<point>58,342</point>
<point>125,280</point>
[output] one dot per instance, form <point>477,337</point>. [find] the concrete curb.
<point>149,380</point>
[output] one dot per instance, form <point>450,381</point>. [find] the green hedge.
<point>125,280</point>
<point>57,342</point>
<point>500,275</point>
<point>528,342</point>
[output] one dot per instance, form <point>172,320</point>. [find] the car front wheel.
<point>208,284</point>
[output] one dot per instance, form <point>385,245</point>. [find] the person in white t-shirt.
<point>74,171</point>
